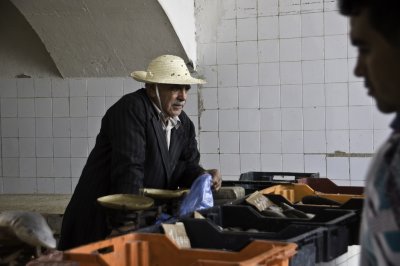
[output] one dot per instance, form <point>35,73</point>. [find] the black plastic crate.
<point>277,176</point>
<point>336,223</point>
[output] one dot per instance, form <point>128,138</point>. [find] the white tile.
<point>271,142</point>
<point>268,51</point>
<point>313,71</point>
<point>228,120</point>
<point>359,167</point>
<point>44,147</point>
<point>289,6</point>
<point>380,136</point>
<point>291,96</point>
<point>248,97</point>
<point>315,6</point>
<point>248,74</point>
<point>292,118</point>
<point>246,8</point>
<point>228,97</point>
<point>250,162</point>
<point>60,107</point>
<point>336,94</point>
<point>290,73</point>
<point>313,95</point>
<point>314,142</point>
<point>334,23</point>
<point>271,162</point>
<point>43,107</point>
<point>26,127</point>
<point>249,142</point>
<point>207,53</point>
<point>352,51</point>
<point>78,106</point>
<point>268,28</point>
<point>62,147</point>
<point>336,46</point>
<point>61,127</point>
<point>74,181</point>
<point>44,167</point>
<point>8,88</point>
<point>10,166</point>
<point>337,168</point>
<point>77,165</point>
<point>9,148</point>
<point>44,127</point>
<point>9,107</point>
<point>290,49</point>
<point>227,75</point>
<point>9,127</point>
<point>27,167</point>
<point>312,24</point>
<point>228,7</point>
<point>312,48</point>
<point>226,30</point>
<point>110,101</point>
<point>269,96</point>
<point>94,124</point>
<point>249,119</point>
<point>292,163</point>
<point>192,105</point>
<point>337,118</point>
<point>77,87</point>
<point>211,161</point>
<point>62,168</point>
<point>209,142</point>
<point>25,88</point>
<point>210,74</point>
<point>27,147</point>
<point>360,117</point>
<point>227,53</point>
<point>59,88</point>
<point>271,119</point>
<point>381,120</point>
<point>268,8</point>
<point>292,142</point>
<point>96,87</point>
<point>92,142</point>
<point>290,26</point>
<point>361,141</point>
<point>62,185</point>
<point>330,5</point>
<point>315,164</point>
<point>45,185</point>
<point>337,140</point>
<point>230,164</point>
<point>42,87</point>
<point>130,85</point>
<point>358,94</point>
<point>229,142</point>
<point>336,70</point>
<point>246,29</point>
<point>19,185</point>
<point>79,147</point>
<point>314,118</point>
<point>114,87</point>
<point>209,98</point>
<point>26,107</point>
<point>96,106</point>
<point>269,74</point>
<point>247,52</point>
<point>209,120</point>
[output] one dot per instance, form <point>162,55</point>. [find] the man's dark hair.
<point>383,16</point>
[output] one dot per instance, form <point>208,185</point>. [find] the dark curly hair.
<point>383,15</point>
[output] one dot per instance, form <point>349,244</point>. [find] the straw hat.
<point>166,69</point>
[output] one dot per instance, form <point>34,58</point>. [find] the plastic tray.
<point>325,185</point>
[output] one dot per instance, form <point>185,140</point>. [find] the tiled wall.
<point>281,94</point>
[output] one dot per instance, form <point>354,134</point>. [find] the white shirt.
<point>167,124</point>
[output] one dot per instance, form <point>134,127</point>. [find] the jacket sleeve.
<point>127,123</point>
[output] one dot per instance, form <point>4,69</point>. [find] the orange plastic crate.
<point>156,249</point>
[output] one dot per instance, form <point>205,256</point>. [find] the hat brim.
<point>142,76</point>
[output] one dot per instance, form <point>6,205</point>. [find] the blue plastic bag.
<point>199,197</point>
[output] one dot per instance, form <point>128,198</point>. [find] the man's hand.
<point>216,178</point>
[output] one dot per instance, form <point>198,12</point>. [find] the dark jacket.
<point>130,153</point>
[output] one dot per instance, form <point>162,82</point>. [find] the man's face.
<point>173,98</point>
<point>378,63</point>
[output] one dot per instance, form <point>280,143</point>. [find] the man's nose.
<point>182,94</point>
<point>359,68</point>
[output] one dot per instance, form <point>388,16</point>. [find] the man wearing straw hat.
<point>145,140</point>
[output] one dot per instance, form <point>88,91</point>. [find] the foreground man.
<point>145,140</point>
<point>375,31</point>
